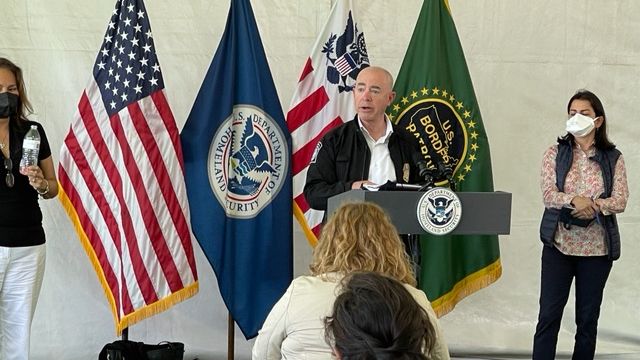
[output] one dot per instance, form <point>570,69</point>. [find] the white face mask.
<point>580,125</point>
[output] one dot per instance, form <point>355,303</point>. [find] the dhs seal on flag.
<point>247,162</point>
<point>439,211</point>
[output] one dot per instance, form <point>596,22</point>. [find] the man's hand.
<point>358,184</point>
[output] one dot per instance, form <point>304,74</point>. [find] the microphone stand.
<point>452,184</point>
<point>429,184</point>
<point>445,171</point>
<point>413,246</point>
<point>427,174</point>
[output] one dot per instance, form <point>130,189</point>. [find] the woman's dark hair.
<point>24,107</point>
<point>375,317</point>
<point>601,139</point>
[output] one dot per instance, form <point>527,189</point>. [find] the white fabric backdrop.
<point>526,59</point>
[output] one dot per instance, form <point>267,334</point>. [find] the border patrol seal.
<point>439,211</point>
<point>247,162</point>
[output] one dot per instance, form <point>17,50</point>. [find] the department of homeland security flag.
<point>237,153</point>
<point>435,102</point>
<point>324,100</point>
<point>122,178</point>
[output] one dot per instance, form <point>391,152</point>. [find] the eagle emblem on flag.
<point>247,161</point>
<point>345,54</point>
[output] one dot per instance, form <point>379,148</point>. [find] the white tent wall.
<point>526,59</point>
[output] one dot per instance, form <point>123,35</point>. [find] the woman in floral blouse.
<point>584,184</point>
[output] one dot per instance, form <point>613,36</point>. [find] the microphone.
<point>446,171</point>
<point>426,173</point>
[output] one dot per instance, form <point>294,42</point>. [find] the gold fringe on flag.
<point>140,314</point>
<point>467,286</point>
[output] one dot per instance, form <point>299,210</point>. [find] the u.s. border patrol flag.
<point>436,103</point>
<point>237,151</point>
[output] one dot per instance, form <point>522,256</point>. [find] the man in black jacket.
<point>368,150</point>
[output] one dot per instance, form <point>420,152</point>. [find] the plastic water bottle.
<point>30,149</point>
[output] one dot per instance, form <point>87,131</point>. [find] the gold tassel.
<point>467,286</point>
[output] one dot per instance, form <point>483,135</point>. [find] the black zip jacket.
<point>342,157</point>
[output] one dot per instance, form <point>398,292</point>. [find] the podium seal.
<point>439,211</point>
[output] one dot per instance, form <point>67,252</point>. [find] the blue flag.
<point>237,153</point>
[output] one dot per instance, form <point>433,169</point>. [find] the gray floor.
<point>462,357</point>
<point>635,356</point>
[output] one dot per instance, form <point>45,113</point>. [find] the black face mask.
<point>8,105</point>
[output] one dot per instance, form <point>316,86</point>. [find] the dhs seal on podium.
<point>439,211</point>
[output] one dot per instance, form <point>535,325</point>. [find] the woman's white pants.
<point>21,273</point>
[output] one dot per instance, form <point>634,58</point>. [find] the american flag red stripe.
<point>91,232</point>
<point>122,176</point>
<point>160,102</point>
<point>302,203</point>
<point>306,70</point>
<point>306,109</point>
<point>108,223</point>
<point>117,218</point>
<point>320,105</point>
<point>154,233</point>
<point>302,157</point>
<point>174,205</point>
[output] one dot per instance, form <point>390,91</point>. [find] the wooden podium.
<point>483,213</point>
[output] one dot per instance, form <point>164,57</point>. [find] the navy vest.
<point>607,160</point>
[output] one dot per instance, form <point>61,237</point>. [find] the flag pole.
<point>230,337</point>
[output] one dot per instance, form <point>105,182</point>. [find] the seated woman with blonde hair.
<point>358,237</point>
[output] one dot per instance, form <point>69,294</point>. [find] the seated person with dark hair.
<point>375,317</point>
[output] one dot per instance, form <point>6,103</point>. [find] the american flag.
<point>345,64</point>
<point>323,100</point>
<point>122,176</point>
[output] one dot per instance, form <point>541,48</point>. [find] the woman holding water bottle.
<point>22,238</point>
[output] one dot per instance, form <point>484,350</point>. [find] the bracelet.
<point>46,189</point>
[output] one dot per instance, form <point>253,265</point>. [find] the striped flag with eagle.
<point>324,100</point>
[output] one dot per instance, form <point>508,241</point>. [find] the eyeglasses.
<point>8,165</point>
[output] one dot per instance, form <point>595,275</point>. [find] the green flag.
<point>435,102</point>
